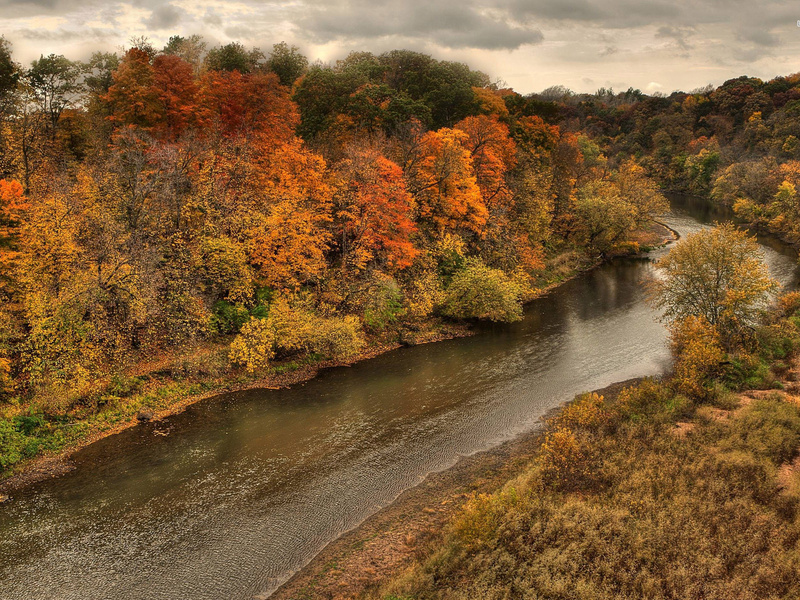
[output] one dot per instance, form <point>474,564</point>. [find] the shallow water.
<point>248,487</point>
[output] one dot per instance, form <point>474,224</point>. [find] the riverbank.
<point>190,390</point>
<point>703,497</point>
<point>405,531</point>
<point>164,387</point>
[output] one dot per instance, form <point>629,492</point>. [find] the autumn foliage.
<point>194,197</point>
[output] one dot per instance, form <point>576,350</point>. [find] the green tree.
<point>287,63</point>
<point>234,57</point>
<point>9,72</point>
<point>717,274</point>
<point>55,81</point>
<point>480,292</point>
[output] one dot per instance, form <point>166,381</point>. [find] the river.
<point>246,488</point>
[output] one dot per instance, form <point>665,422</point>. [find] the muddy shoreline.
<point>54,465</point>
<point>386,542</point>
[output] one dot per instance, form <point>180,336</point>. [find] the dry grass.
<point>710,513</point>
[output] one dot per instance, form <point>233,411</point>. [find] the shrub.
<point>566,462</point>
<point>789,304</point>
<point>294,329</point>
<point>384,303</point>
<point>587,411</point>
<point>254,347</point>
<point>61,352</point>
<point>769,428</point>
<point>480,292</point>
<point>12,444</point>
<point>229,318</point>
<point>294,326</point>
<point>124,386</point>
<point>225,269</point>
<point>748,371</point>
<point>698,355</point>
<point>423,293</point>
<point>677,517</point>
<point>651,400</point>
<point>6,381</point>
<point>337,337</point>
<point>777,340</point>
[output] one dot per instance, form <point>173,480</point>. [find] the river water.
<point>246,488</point>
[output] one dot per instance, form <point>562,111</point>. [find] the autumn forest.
<point>177,219</point>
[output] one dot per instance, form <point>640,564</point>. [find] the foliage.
<point>148,198</point>
<point>633,511</point>
<point>587,411</point>
<point>229,318</point>
<point>384,304</point>
<point>480,292</point>
<point>697,348</point>
<point>768,428</point>
<point>254,347</point>
<point>566,462</point>
<point>287,63</point>
<point>716,274</point>
<point>291,328</point>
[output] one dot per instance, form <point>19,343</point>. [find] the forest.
<point>176,219</point>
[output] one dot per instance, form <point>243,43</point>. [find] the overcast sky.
<point>653,45</point>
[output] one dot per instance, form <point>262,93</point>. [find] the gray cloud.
<point>163,17</point>
<point>679,34</point>
<point>448,25</point>
<point>62,35</point>
<point>610,14</point>
<point>687,43</point>
<point>759,37</point>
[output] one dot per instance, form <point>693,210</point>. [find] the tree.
<point>442,180</point>
<point>9,73</point>
<point>287,218</point>
<point>13,205</point>
<point>603,218</point>
<point>374,212</point>
<point>237,104</point>
<point>55,84</point>
<point>191,49</point>
<point>133,99</point>
<point>493,155</point>
<point>480,292</point>
<point>287,63</point>
<point>234,57</point>
<point>717,274</point>
<point>174,84</point>
<point>640,192</point>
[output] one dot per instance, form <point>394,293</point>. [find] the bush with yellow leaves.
<point>587,411</point>
<point>481,292</point>
<point>789,304</point>
<point>697,348</point>
<point>293,328</point>
<point>254,347</point>
<point>566,461</point>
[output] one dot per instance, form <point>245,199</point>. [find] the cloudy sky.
<point>654,45</point>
